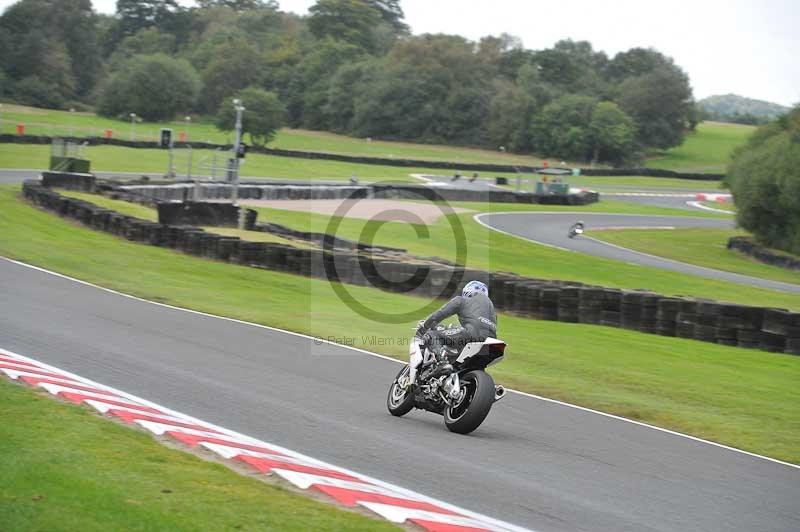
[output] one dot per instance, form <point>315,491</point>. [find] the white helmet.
<point>475,287</point>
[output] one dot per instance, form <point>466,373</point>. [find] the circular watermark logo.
<point>389,269</point>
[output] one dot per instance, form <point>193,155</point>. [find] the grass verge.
<point>65,468</point>
<point>748,399</point>
<point>703,247</point>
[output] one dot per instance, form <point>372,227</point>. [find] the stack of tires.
<point>590,305</point>
<point>666,316</point>
<point>568,303</point>
<point>611,315</point>
<point>706,327</point>
<point>686,319</point>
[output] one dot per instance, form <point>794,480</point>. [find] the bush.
<point>38,93</point>
<point>155,87</point>
<point>764,178</point>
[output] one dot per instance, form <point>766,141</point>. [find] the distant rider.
<point>478,321</point>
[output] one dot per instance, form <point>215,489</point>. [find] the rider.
<point>478,321</point>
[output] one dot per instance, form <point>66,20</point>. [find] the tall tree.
<point>612,134</point>
<point>764,179</point>
<point>53,42</point>
<point>661,103</point>
<point>391,13</point>
<point>135,15</point>
<point>351,21</point>
<point>636,62</point>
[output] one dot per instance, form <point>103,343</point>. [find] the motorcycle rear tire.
<point>480,394</point>
<point>399,407</point>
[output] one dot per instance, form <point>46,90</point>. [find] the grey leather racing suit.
<point>476,315</point>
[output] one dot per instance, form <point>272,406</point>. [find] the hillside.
<point>735,108</point>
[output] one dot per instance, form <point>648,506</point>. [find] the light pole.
<point>188,124</point>
<point>133,126</point>
<point>237,104</point>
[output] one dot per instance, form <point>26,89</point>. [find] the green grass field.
<point>63,123</point>
<point>706,150</point>
<point>703,247</point>
<point>65,469</point>
<point>744,398</point>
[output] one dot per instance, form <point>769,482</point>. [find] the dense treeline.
<point>349,66</point>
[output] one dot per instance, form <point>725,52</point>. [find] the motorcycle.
<point>576,229</point>
<point>463,397</point>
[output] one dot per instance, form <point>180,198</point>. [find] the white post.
<point>72,122</point>
<point>188,123</point>
<point>171,169</point>
<point>237,104</point>
<point>133,126</point>
<point>1,118</point>
<point>189,166</point>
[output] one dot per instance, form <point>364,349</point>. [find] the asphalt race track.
<point>533,463</point>
<point>552,228</point>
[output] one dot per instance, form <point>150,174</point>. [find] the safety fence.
<point>769,329</point>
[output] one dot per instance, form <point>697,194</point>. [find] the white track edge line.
<point>478,216</point>
<point>699,205</point>
<point>288,452</point>
<point>378,355</point>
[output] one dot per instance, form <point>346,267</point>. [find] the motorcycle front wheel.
<point>466,414</point>
<point>400,402</point>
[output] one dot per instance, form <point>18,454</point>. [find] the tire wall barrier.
<point>187,191</point>
<point>69,180</point>
<point>411,163</point>
<point>199,213</point>
<point>769,329</point>
<point>762,254</point>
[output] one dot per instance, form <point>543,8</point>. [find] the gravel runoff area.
<point>368,209</point>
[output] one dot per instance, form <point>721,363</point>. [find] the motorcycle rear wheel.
<point>467,415</point>
<point>399,401</point>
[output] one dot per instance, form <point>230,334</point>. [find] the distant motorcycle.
<point>576,229</point>
<point>464,397</point>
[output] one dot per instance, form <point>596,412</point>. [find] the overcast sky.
<point>747,47</point>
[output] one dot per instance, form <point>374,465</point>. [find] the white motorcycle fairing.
<point>490,346</point>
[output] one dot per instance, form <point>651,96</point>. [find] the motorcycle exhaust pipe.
<point>499,392</point>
